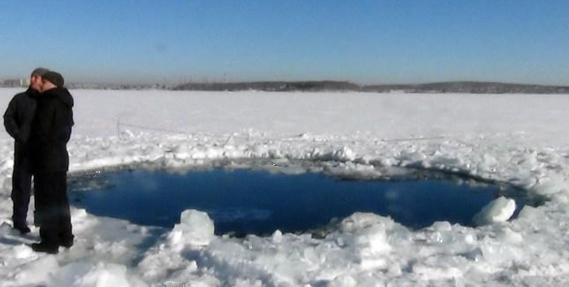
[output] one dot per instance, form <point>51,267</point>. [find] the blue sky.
<point>395,41</point>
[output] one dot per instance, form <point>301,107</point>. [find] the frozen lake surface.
<point>520,140</point>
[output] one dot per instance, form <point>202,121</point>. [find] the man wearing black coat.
<point>51,130</point>
<point>17,121</point>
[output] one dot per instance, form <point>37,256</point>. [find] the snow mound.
<point>86,275</point>
<point>499,210</point>
<point>36,271</point>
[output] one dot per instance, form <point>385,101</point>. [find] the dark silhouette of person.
<point>17,121</point>
<point>51,130</point>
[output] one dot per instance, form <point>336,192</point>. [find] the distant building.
<point>12,83</point>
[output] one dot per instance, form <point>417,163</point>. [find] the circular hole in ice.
<point>255,201</point>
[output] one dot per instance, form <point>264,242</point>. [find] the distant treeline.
<point>318,86</point>
<point>272,86</point>
<point>442,87</point>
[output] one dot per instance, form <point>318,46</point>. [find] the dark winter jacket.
<point>19,115</point>
<point>18,121</point>
<point>51,130</point>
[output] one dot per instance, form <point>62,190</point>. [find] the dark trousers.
<point>52,207</point>
<point>21,190</point>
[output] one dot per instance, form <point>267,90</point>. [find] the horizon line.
<point>162,83</point>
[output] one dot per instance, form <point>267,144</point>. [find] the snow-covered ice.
<point>519,139</point>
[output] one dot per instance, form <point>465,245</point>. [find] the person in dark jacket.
<point>17,121</point>
<point>51,130</point>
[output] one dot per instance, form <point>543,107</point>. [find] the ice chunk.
<point>195,228</point>
<point>499,210</point>
<point>366,234</point>
<point>23,252</point>
<point>345,153</point>
<point>277,236</point>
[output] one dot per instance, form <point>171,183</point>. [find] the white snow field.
<point>521,139</point>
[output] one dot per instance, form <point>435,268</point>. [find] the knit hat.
<point>54,78</point>
<point>39,72</point>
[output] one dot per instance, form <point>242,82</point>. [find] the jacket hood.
<point>62,94</point>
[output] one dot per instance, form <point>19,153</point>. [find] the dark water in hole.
<point>251,201</point>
